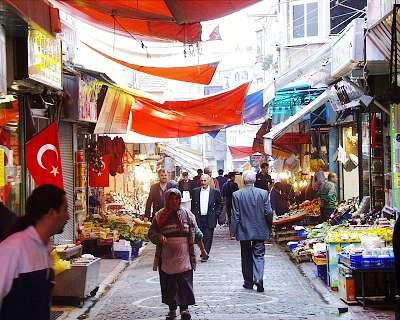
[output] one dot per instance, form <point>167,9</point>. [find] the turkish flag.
<point>100,179</point>
<point>43,157</point>
<point>215,35</point>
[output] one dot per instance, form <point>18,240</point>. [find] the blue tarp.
<point>253,109</point>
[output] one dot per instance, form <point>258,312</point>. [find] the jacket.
<point>191,186</point>
<point>215,206</point>
<point>155,201</point>
<point>250,211</point>
<point>278,203</point>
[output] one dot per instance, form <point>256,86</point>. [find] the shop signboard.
<point>2,173</point>
<point>395,156</point>
<point>44,59</point>
<point>3,66</point>
<point>348,50</point>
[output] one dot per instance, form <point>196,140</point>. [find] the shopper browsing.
<point>328,197</point>
<point>26,275</point>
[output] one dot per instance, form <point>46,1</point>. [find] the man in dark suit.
<point>155,201</point>
<point>207,207</point>
<point>251,208</point>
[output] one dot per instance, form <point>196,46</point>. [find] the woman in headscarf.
<point>174,231</point>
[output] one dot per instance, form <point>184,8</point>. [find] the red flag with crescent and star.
<point>43,157</point>
<point>100,179</point>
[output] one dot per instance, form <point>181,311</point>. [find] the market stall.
<point>119,179</point>
<point>352,252</point>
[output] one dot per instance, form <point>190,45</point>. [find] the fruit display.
<point>355,234</point>
<point>311,208</point>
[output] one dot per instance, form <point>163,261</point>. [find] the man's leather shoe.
<point>260,286</point>
<point>248,285</point>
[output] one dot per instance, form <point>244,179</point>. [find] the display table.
<point>389,283</point>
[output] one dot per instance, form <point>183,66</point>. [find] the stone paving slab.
<point>219,294</point>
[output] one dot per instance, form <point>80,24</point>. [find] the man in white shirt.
<point>207,207</point>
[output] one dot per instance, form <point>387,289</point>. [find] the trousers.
<point>208,233</point>
<point>252,252</point>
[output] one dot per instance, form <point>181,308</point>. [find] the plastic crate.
<point>136,248</point>
<point>302,233</point>
<point>292,245</point>
<point>322,271</point>
<point>320,261</point>
<point>123,255</point>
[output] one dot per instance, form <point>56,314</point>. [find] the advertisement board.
<point>44,59</point>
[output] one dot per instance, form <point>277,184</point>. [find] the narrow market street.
<point>219,294</point>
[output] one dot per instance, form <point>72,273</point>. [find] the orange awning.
<point>159,19</point>
<point>176,119</point>
<point>201,74</point>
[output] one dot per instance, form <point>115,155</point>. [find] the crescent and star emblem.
<point>39,157</point>
<point>103,166</point>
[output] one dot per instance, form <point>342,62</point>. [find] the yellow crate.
<point>319,261</point>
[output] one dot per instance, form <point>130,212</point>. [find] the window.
<point>259,39</point>
<point>305,20</point>
<point>237,76</point>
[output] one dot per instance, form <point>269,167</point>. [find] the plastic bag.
<point>59,265</point>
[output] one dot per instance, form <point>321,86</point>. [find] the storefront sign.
<point>3,66</point>
<point>348,49</point>
<point>44,59</point>
<point>395,154</point>
<point>2,173</point>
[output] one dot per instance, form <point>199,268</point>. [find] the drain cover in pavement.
<point>55,314</point>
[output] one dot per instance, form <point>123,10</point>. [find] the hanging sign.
<point>44,59</point>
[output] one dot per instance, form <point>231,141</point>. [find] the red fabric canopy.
<point>201,73</point>
<point>159,19</point>
<point>176,119</point>
<point>240,152</point>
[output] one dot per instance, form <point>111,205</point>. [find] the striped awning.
<point>380,35</point>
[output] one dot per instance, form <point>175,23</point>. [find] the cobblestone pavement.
<point>219,294</point>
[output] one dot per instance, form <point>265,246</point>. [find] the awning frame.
<point>282,127</point>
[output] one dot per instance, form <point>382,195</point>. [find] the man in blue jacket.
<point>251,208</point>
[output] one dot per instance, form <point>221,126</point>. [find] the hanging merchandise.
<point>278,164</point>
<point>340,155</point>
<point>351,163</point>
<point>292,163</point>
<point>116,156</point>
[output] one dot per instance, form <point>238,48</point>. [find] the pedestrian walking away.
<point>227,190</point>
<point>207,207</point>
<point>174,231</point>
<point>26,276</point>
<point>250,211</point>
<point>221,179</point>
<point>155,201</point>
